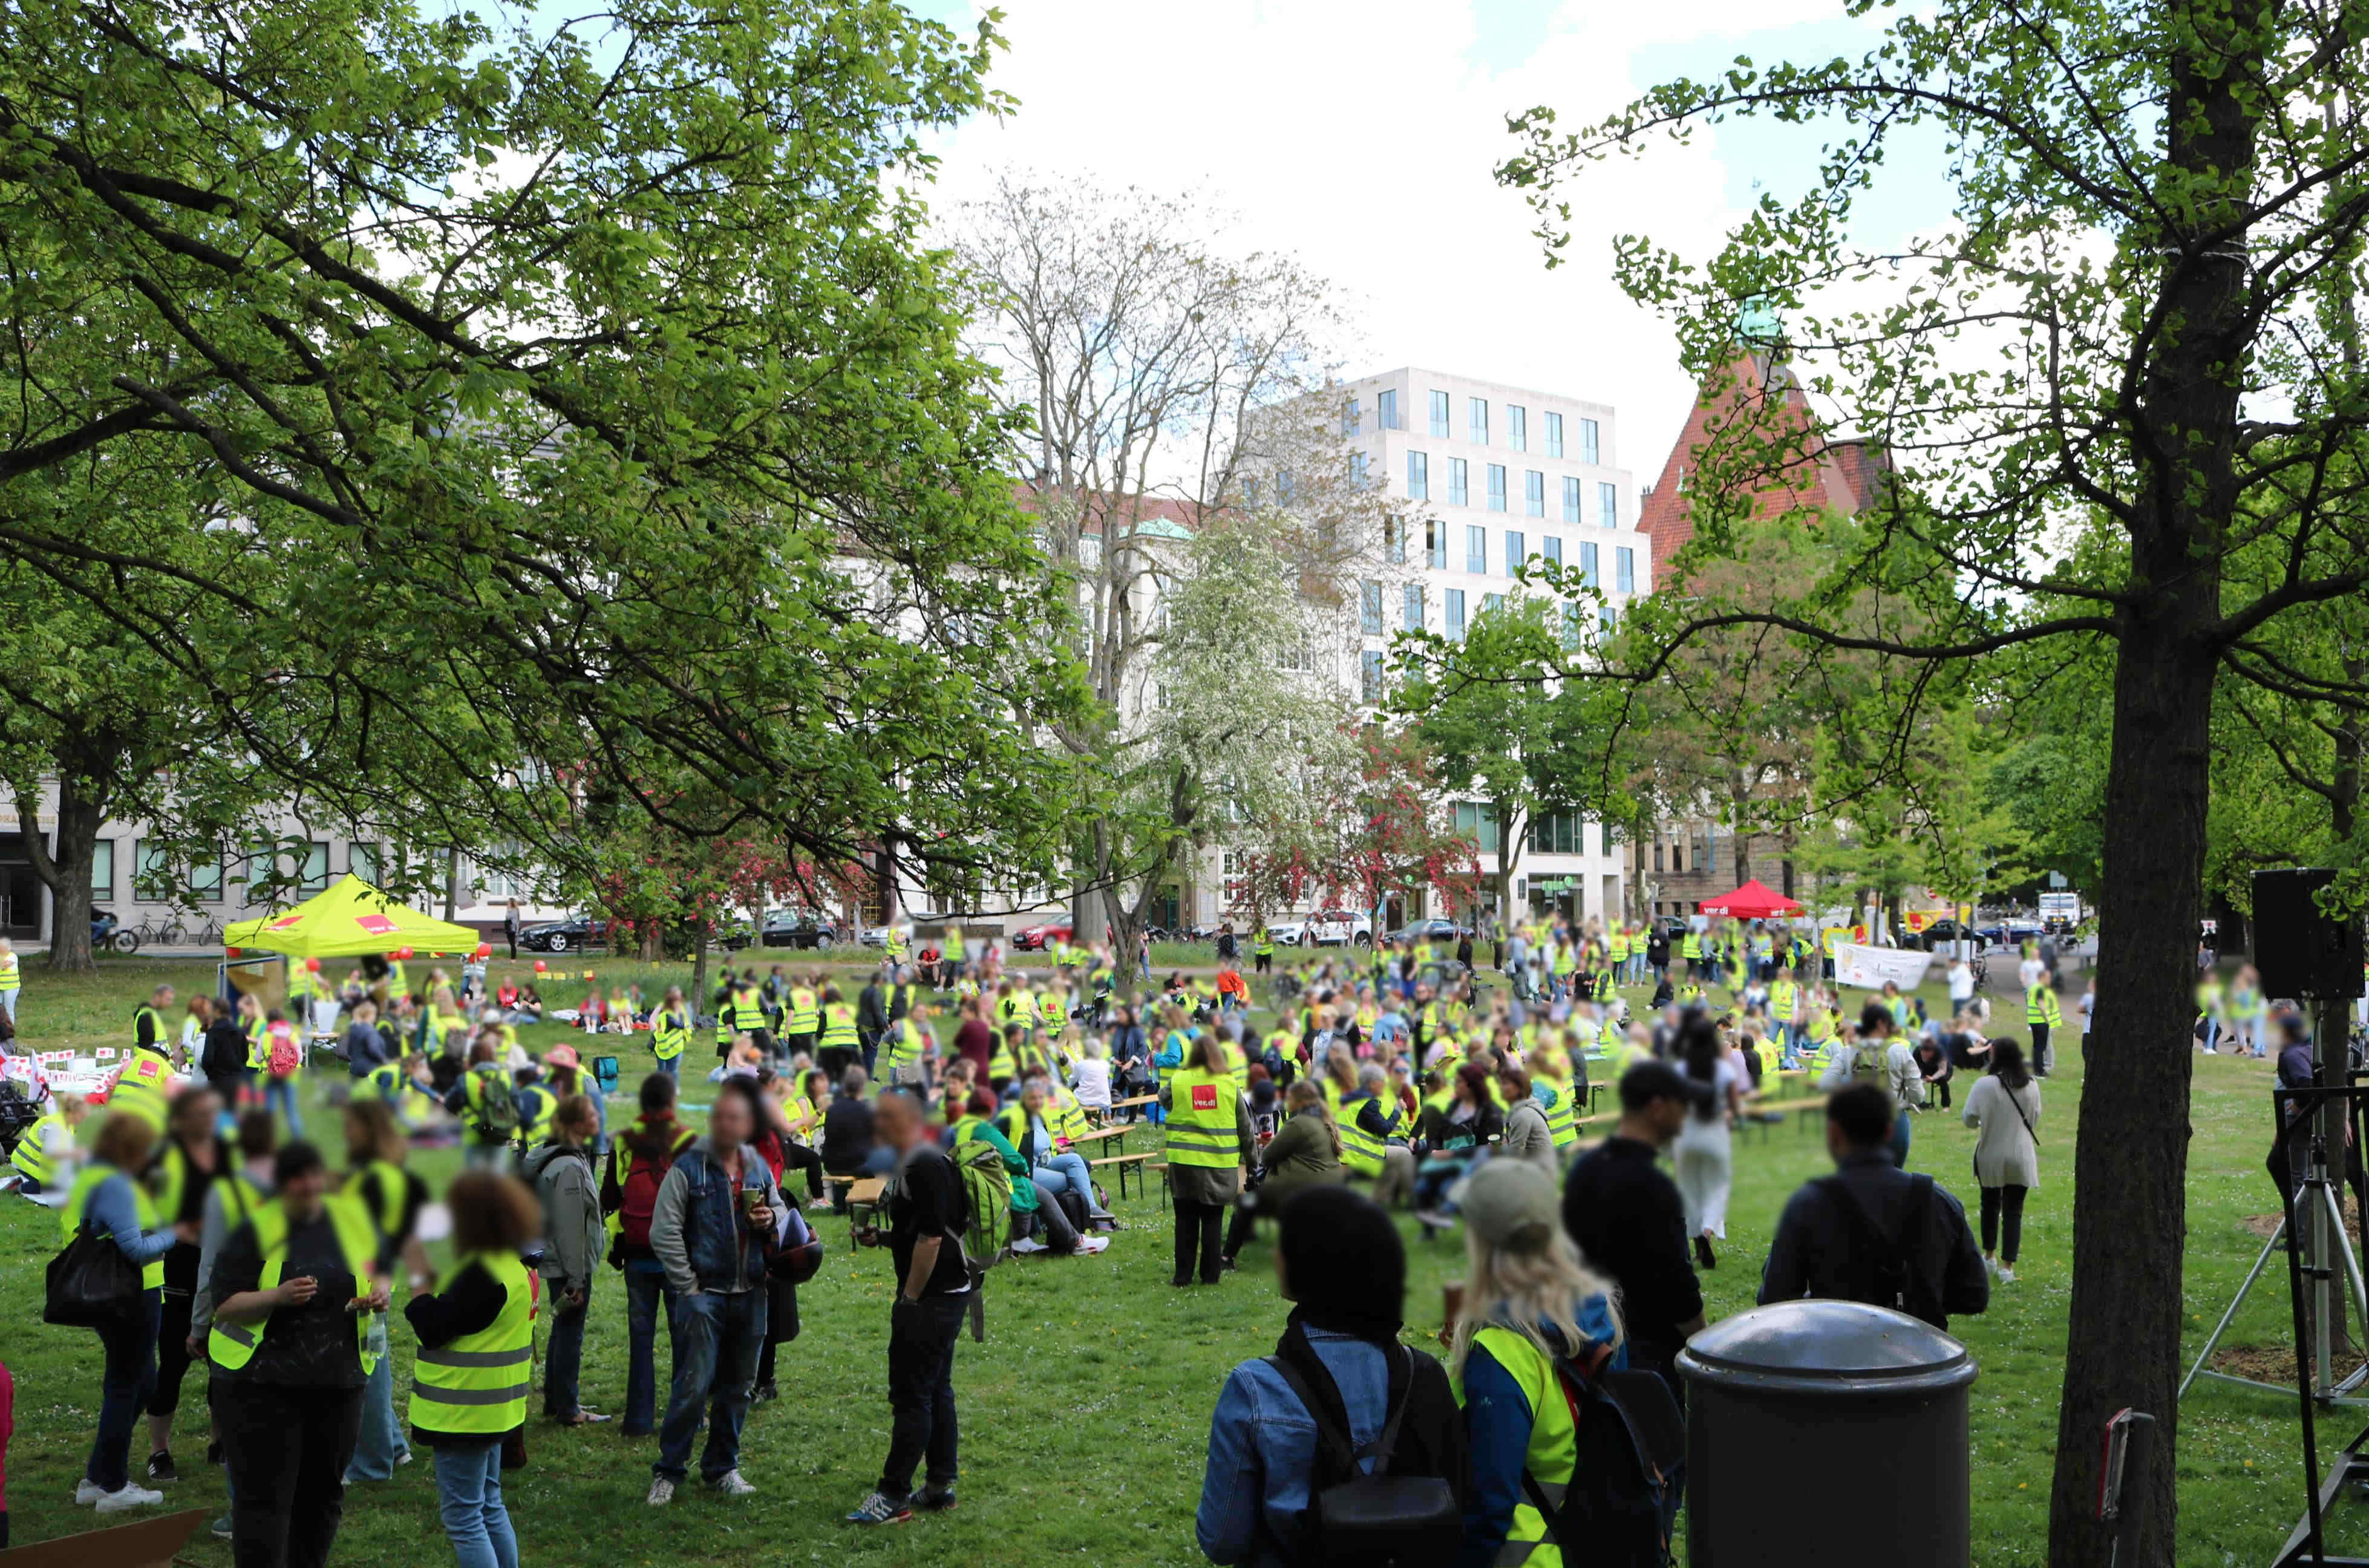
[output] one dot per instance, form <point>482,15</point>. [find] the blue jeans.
<point>645,1285</point>
<point>381,1441</point>
<point>126,1382</point>
<point>469,1496</point>
<point>1900,1140</point>
<point>280,1094</point>
<point>563,1358</point>
<point>1066,1172</point>
<point>716,1339</point>
<point>671,1066</point>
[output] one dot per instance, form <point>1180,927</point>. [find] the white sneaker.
<point>87,1493</point>
<point>1089,1245</point>
<point>2006,1274</point>
<point>732,1483</point>
<point>130,1497</point>
<point>1028,1245</point>
<point>662,1492</point>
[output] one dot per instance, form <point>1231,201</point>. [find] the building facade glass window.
<point>1534,493</point>
<point>1607,505</point>
<point>1476,420</point>
<point>102,868</point>
<point>1497,487</point>
<point>1418,476</point>
<point>1412,611</point>
<point>1570,625</point>
<point>1456,615</point>
<point>1476,548</point>
<point>1370,677</point>
<point>1558,832</point>
<point>1518,427</point>
<point>1352,418</point>
<point>1435,543</point>
<point>1491,602</point>
<point>1624,569</point>
<point>1394,532</point>
<point>1386,409</point>
<point>1357,470</point>
<point>1571,502</point>
<point>1516,552</point>
<point>1590,448</point>
<point>1555,435</point>
<point>1459,484</point>
<point>1551,547</point>
<point>1587,565</point>
<point>1369,609</point>
<point>1477,825</point>
<point>1439,416</point>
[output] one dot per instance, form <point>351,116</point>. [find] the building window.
<point>1658,858</point>
<point>316,866</point>
<point>361,860</point>
<point>1571,624</point>
<point>1476,549</point>
<point>1356,471</point>
<point>1587,565</point>
<point>1534,493</point>
<point>1557,832</point>
<point>1497,487</point>
<point>1555,435</point>
<point>1552,548</point>
<point>1456,615</point>
<point>1418,476</point>
<point>1607,620</point>
<point>1571,502</point>
<point>1491,602</point>
<point>1386,409</point>
<point>1369,671</point>
<point>1394,531</point>
<point>1607,505</point>
<point>102,869</point>
<point>152,877</point>
<point>1369,609</point>
<point>1439,416</point>
<point>1476,420</point>
<point>1458,494</point>
<point>1589,451</point>
<point>1515,552</point>
<point>1624,569</point>
<point>1518,427</point>
<point>1352,418</point>
<point>1478,825</point>
<point>1435,547</point>
<point>206,878</point>
<point>1412,619</point>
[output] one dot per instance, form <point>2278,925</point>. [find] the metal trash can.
<point>1855,1390</point>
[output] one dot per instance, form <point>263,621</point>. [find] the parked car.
<point>1033,938</point>
<point>1941,934</point>
<point>561,936</point>
<point>799,929</point>
<point>2012,931</point>
<point>878,935</point>
<point>1430,931</point>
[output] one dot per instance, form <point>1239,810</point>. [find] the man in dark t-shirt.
<point>1626,1217</point>
<point>927,1212</point>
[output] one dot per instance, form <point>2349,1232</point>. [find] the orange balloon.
<point>403,952</point>
<point>485,950</point>
<point>314,965</point>
<point>538,966</point>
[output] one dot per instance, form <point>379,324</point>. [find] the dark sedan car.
<point>561,936</point>
<point>1429,931</point>
<point>799,931</point>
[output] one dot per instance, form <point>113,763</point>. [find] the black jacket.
<point>1820,1247</point>
<point>222,1057</point>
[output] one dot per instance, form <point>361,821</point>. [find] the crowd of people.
<point>1390,1078</point>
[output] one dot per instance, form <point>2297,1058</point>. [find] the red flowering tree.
<point>1396,828</point>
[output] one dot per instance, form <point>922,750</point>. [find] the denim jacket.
<point>695,1226</point>
<point>1263,1448</point>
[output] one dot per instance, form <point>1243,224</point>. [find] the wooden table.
<point>864,1194</point>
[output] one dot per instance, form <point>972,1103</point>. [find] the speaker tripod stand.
<point>2316,1211</point>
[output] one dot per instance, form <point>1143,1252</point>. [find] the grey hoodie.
<point>571,1213</point>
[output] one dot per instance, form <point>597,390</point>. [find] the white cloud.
<point>1361,138</point>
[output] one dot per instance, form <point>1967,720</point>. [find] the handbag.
<point>91,1284</point>
<point>798,1258</point>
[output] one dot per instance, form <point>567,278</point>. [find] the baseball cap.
<point>1511,1204</point>
<point>559,1056</point>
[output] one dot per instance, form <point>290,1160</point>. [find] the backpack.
<point>1629,1439</point>
<point>286,1056</point>
<point>493,1113</point>
<point>1893,1278</point>
<point>1872,1064</point>
<point>635,1198</point>
<point>1356,1519</point>
<point>987,1192</point>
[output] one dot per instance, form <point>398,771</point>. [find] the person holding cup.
<point>717,1213</point>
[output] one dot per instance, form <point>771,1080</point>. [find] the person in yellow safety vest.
<point>43,1149</point>
<point>1772,1061</point>
<point>1691,950</point>
<point>747,1010</point>
<point>840,1043</point>
<point>670,1032</point>
<point>1053,1009</point>
<point>1208,1133</point>
<point>143,1085</point>
<point>900,1058</point>
<point>1373,1142</point>
<point>803,1021</point>
<point>398,983</point>
<point>2041,1015</point>
<point>470,1378</point>
<point>1004,1058</point>
<point>148,1026</point>
<point>1551,1087</point>
<point>1262,950</point>
<point>11,980</point>
<point>538,1107</point>
<point>107,1200</point>
<point>1784,1000</point>
<point>1533,1300</point>
<point>892,942</point>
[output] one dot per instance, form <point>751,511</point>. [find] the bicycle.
<point>210,934</point>
<point>167,935</point>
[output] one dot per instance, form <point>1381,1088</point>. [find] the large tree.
<point>592,400</point>
<point>2136,310</point>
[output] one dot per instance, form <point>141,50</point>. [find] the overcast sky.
<point>1361,138</point>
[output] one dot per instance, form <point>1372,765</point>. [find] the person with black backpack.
<point>1872,1233</point>
<point>637,1166</point>
<point>1572,1449</point>
<point>1345,1446</point>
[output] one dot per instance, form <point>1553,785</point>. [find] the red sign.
<point>377,925</point>
<point>1205,1096</point>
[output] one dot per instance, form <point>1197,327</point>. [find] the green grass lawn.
<point>1085,1414</point>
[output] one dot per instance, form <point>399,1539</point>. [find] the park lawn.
<point>1085,1414</point>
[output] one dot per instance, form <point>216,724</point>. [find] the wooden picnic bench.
<point>1124,1162</point>
<point>862,1194</point>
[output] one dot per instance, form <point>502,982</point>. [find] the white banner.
<point>1870,967</point>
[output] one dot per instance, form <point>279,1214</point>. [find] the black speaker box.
<point>2299,950</point>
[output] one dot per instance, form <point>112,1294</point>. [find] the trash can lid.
<point>1828,1347</point>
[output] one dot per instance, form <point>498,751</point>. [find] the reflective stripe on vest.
<point>476,1385</point>
<point>839,1028</point>
<point>1552,1453</point>
<point>905,1044</point>
<point>143,1212</point>
<point>1360,1150</point>
<point>669,1033</point>
<point>232,1345</point>
<point>805,1011</point>
<point>1201,1120</point>
<point>30,1158</point>
<point>140,1088</point>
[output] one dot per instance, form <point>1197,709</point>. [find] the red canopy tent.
<point>1752,902</point>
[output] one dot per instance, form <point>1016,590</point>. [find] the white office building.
<point>1496,475</point>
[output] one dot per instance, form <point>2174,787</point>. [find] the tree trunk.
<point>66,870</point>
<point>698,998</point>
<point>451,882</point>
<point>653,935</point>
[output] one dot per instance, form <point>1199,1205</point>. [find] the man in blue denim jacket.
<point>1338,1257</point>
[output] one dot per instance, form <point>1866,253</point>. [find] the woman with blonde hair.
<point>1528,1302</point>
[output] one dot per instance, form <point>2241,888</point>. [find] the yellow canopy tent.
<point>349,920</point>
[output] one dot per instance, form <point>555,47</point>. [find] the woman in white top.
<point>2005,1109</point>
<point>1091,1077</point>
<point>1702,1154</point>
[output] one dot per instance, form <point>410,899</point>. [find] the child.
<point>284,1058</point>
